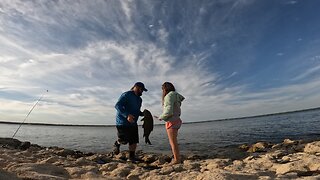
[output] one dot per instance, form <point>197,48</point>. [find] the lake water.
<point>194,137</point>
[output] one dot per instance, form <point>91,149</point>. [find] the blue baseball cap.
<point>141,85</point>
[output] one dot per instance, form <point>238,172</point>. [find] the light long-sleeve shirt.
<point>171,106</point>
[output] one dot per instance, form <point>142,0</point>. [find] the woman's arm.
<point>167,107</point>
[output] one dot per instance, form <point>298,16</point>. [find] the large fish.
<point>147,125</point>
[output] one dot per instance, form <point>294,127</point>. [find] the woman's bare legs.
<point>172,135</point>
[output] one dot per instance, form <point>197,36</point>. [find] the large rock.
<point>75,172</point>
<point>25,145</point>
<point>135,173</point>
<point>166,170</point>
<point>212,164</point>
<point>50,160</point>
<point>122,171</point>
<point>64,152</point>
<point>191,165</point>
<point>14,143</point>
<point>259,147</point>
<point>297,166</point>
<point>237,165</point>
<point>7,175</point>
<point>150,158</point>
<point>39,171</point>
<point>9,142</point>
<point>289,146</point>
<point>91,175</point>
<point>109,166</point>
<point>214,174</point>
<point>312,148</point>
<point>260,163</point>
<point>161,161</point>
<point>84,162</point>
<point>99,158</point>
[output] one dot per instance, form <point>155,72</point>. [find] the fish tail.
<point>147,140</point>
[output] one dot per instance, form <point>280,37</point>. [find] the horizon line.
<point>204,121</point>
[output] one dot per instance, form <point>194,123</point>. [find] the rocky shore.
<point>287,160</point>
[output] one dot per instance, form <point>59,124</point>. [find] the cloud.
<point>12,47</point>
<point>86,53</point>
<point>291,2</point>
<point>126,8</point>
<point>238,102</point>
<point>89,80</point>
<point>308,73</point>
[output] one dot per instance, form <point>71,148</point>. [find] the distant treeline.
<point>227,119</point>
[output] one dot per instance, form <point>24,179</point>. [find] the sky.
<point>228,58</point>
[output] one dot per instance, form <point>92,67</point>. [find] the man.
<point>128,112</point>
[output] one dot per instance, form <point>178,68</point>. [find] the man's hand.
<point>144,111</point>
<point>130,118</point>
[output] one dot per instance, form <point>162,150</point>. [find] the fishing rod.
<point>28,114</point>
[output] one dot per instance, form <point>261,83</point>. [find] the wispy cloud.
<point>307,73</point>
<point>91,79</point>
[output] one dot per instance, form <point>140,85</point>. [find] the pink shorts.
<point>176,124</point>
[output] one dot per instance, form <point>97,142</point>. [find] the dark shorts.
<point>128,134</point>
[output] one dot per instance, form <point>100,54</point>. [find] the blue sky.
<point>229,58</point>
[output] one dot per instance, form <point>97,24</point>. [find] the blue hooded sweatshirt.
<point>128,103</point>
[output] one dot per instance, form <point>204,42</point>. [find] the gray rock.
<point>121,172</point>
<point>6,175</point>
<point>166,170</point>
<point>39,171</point>
<point>150,158</point>
<point>64,152</point>
<point>134,174</point>
<point>191,165</point>
<point>25,145</point>
<point>109,166</point>
<point>259,147</point>
<point>10,143</point>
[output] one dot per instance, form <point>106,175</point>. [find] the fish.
<point>147,125</point>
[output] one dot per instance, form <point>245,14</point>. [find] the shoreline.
<point>290,159</point>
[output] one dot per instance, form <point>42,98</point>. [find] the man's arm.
<point>120,105</point>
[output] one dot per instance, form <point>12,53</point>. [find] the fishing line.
<point>28,114</point>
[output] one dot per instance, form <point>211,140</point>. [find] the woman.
<point>171,102</point>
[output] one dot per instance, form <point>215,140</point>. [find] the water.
<point>196,137</point>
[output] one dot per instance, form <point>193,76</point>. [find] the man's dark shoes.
<point>132,157</point>
<point>116,148</point>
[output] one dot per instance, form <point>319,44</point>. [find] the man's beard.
<point>139,93</point>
